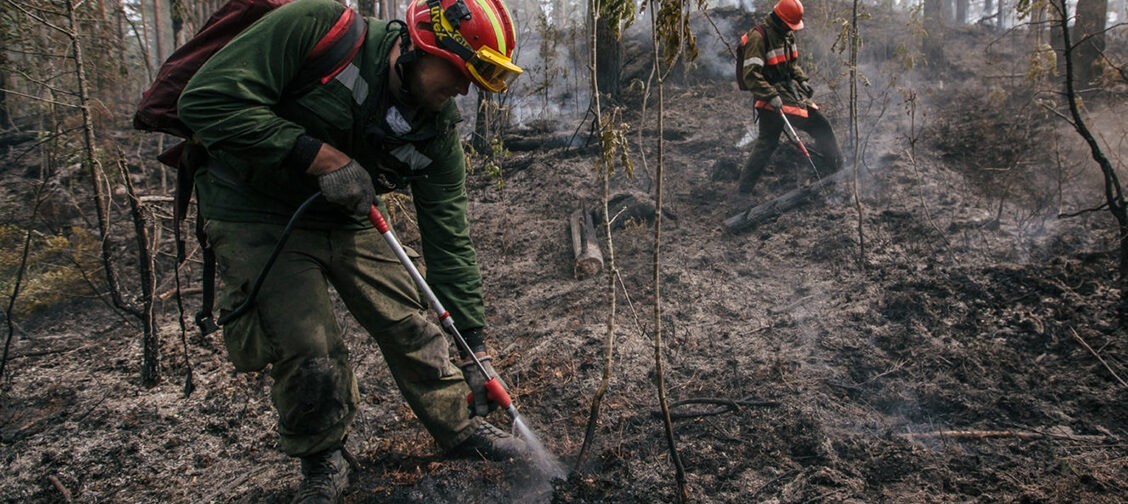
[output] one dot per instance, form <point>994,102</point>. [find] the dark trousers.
<point>825,152</point>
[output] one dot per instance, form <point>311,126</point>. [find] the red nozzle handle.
<point>377,220</point>
<point>495,393</point>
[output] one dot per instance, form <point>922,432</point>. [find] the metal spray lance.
<point>495,391</point>
<point>795,138</point>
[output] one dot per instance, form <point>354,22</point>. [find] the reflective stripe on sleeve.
<point>753,61</point>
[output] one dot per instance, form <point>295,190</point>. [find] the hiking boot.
<point>325,476</point>
<point>748,179</point>
<point>491,443</point>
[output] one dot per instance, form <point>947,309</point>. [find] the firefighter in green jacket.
<point>385,121</point>
<point>771,71</point>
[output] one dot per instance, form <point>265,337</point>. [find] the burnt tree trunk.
<point>933,42</point>
<point>609,59</point>
<point>759,214</point>
<point>1089,40</point>
<point>485,122</point>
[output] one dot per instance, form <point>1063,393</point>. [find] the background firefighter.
<point>387,121</point>
<point>771,71</point>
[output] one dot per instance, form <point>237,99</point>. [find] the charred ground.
<point>936,357</point>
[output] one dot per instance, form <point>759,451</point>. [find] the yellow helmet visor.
<point>492,70</point>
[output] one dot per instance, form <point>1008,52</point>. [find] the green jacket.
<point>771,60</point>
<point>254,133</point>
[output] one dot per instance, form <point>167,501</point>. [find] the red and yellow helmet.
<point>790,12</point>
<point>477,36</point>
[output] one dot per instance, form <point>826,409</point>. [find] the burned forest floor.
<point>952,338</point>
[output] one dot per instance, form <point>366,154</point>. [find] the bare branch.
<point>37,98</point>
<point>20,7</point>
<point>1098,356</point>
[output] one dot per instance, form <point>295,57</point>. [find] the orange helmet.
<point>476,36</point>
<point>790,12</point>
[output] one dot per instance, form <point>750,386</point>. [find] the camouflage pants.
<point>292,328</point>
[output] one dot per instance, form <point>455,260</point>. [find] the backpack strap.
<point>332,54</point>
<point>205,320</point>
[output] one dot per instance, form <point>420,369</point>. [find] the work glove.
<point>775,102</point>
<point>807,89</point>
<point>349,186</point>
<point>479,404</point>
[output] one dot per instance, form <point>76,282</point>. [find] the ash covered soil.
<point>946,356</point>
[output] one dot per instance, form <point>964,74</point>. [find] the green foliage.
<point>56,267</point>
<point>1042,64</point>
<point>613,143</point>
<point>1026,8</point>
<point>671,24</point>
<point>490,161</point>
<point>910,54</point>
<point>617,14</point>
<point>549,70</point>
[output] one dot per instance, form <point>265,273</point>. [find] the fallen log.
<point>984,434</point>
<point>758,214</point>
<point>585,244</point>
<point>969,434</point>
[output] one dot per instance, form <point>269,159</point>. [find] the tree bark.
<point>1089,38</point>
<point>585,244</point>
<point>5,117</point>
<point>368,7</point>
<point>933,43</point>
<point>609,59</point>
<point>485,122</point>
<point>162,29</point>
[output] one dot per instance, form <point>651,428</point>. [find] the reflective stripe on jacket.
<point>771,60</point>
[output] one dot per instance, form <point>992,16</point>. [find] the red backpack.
<point>157,109</point>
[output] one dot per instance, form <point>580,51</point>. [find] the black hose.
<point>250,301</point>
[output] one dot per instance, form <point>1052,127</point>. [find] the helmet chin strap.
<point>405,62</point>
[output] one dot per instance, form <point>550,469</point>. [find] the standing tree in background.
<point>5,117</point>
<point>380,9</point>
<point>1114,191</point>
<point>7,39</point>
<point>1089,42</point>
<point>933,40</point>
<point>614,17</point>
